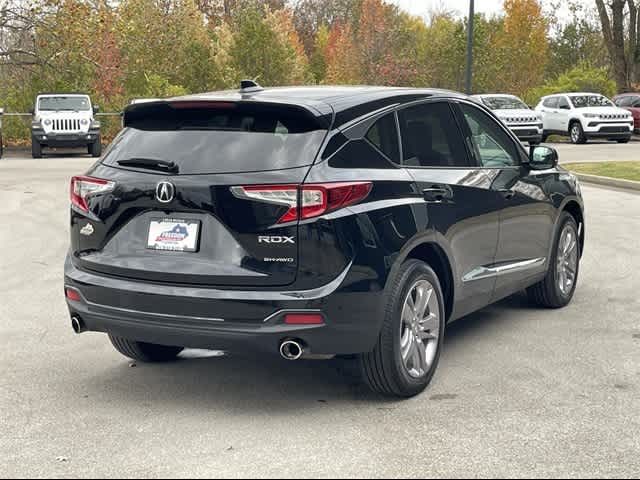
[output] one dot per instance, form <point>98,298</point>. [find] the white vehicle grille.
<point>66,125</point>
<point>522,120</point>
<point>615,117</point>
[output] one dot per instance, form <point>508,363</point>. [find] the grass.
<point>623,170</point>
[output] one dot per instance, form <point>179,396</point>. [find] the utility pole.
<point>469,76</point>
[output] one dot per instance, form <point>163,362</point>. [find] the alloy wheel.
<point>420,329</point>
<point>575,133</point>
<point>567,259</point>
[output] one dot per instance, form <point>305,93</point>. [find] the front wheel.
<point>558,287</point>
<point>406,355</point>
<point>95,149</point>
<point>144,352</point>
<point>623,140</point>
<point>36,149</point>
<point>576,132</point>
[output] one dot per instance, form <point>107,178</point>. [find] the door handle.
<point>508,194</point>
<point>437,193</point>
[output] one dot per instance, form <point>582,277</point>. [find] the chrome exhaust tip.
<point>291,350</point>
<point>77,324</point>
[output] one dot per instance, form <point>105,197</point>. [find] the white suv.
<point>515,114</point>
<point>65,120</point>
<point>583,116</point>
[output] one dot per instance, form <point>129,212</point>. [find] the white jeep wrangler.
<point>65,121</point>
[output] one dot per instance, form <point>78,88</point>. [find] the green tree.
<point>258,51</point>
<point>579,41</point>
<point>582,78</point>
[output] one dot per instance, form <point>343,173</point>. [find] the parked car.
<point>316,222</point>
<point>630,102</point>
<point>517,115</point>
<point>584,116</point>
<point>65,121</point>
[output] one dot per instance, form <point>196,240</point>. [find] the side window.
<point>384,135</point>
<point>359,154</point>
<point>493,147</point>
<point>636,103</point>
<point>551,102</point>
<point>431,137</point>
<point>623,101</point>
<point>563,104</point>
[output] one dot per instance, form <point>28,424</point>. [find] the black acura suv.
<point>315,222</point>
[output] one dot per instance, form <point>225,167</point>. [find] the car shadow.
<point>204,380</point>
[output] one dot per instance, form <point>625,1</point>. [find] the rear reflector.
<point>303,319</point>
<point>84,187</point>
<point>316,199</point>
<point>72,294</point>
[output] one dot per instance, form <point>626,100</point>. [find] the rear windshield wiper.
<point>151,164</point>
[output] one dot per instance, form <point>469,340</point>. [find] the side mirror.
<point>543,158</point>
<point>96,109</point>
<point>32,111</point>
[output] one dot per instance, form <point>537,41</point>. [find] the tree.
<point>582,78</point>
<point>343,66</point>
<point>262,49</point>
<point>312,15</point>
<point>622,39</point>
<point>576,42</point>
<point>524,46</point>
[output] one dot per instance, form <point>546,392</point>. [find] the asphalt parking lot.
<point>520,392</point>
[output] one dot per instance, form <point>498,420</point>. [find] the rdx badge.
<point>275,239</point>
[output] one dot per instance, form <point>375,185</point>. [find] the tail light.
<point>72,294</point>
<point>84,187</point>
<point>315,199</point>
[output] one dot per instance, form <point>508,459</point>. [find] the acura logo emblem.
<point>165,192</point>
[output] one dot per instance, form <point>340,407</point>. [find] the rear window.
<point>218,137</point>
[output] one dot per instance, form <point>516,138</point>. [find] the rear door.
<point>203,193</point>
<point>461,206</point>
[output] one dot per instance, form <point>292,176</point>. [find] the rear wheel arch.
<point>434,255</point>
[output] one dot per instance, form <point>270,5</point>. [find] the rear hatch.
<point>202,193</point>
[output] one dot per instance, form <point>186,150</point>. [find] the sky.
<point>460,7</point>
<point>422,7</point>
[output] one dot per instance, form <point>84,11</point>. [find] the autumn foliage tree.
<point>125,49</point>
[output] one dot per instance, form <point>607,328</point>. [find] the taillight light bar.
<point>315,199</point>
<point>84,187</point>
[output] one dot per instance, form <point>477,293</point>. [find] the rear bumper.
<point>226,319</point>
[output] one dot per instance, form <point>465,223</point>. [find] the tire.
<point>384,369</point>
<point>576,133</point>
<point>95,149</point>
<point>545,137</point>
<point>144,352</point>
<point>623,140</point>
<point>548,293</point>
<point>36,149</point>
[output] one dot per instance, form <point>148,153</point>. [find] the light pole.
<point>469,75</point>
